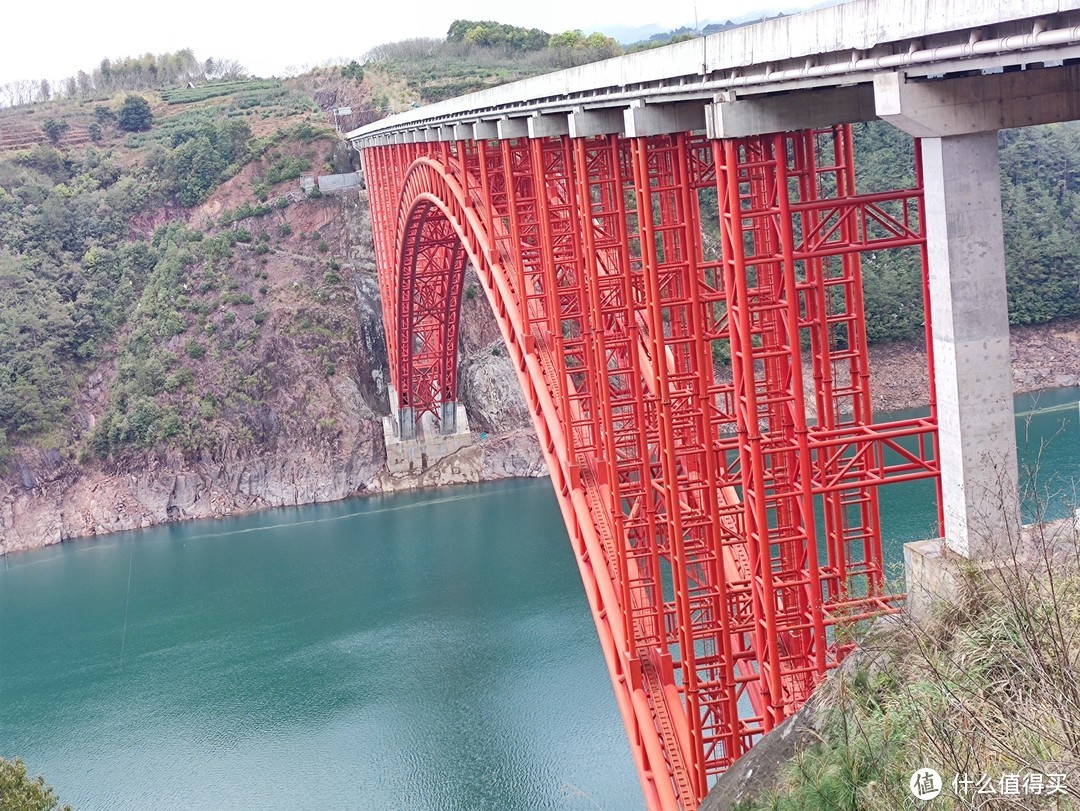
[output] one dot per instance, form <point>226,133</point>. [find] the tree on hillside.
<point>488,33</point>
<point>19,793</point>
<point>135,115</point>
<point>54,129</point>
<point>576,48</point>
<point>17,93</point>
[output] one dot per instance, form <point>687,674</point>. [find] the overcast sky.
<point>55,39</point>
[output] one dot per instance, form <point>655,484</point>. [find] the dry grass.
<point>987,687</point>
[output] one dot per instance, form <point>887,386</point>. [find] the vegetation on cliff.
<point>123,280</point>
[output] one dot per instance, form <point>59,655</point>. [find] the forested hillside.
<point>1040,194</point>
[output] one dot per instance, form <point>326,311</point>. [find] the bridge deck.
<point>830,47</point>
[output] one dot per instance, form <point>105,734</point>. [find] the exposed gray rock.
<point>94,500</point>
<point>489,388</point>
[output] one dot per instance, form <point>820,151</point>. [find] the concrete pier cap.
<point>603,121</point>
<point>485,130</point>
<point>734,117</point>
<point>512,128</point>
<point>641,120</point>
<point>548,125</point>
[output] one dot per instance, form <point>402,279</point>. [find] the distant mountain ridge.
<point>630,35</point>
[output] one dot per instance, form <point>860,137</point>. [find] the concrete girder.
<point>641,120</point>
<point>807,109</point>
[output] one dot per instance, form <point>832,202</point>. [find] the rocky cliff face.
<point>48,503</point>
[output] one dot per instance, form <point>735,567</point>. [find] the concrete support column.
<point>406,423</point>
<point>958,119</point>
<point>448,418</point>
<point>968,305</point>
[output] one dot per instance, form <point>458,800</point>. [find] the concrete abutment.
<point>413,445</point>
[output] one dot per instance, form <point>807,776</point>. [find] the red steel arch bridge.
<point>671,243</point>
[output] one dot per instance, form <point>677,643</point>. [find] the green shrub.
<point>135,115</point>
<point>182,378</point>
<point>54,129</point>
<point>18,792</point>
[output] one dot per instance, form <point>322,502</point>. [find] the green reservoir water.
<point>423,651</point>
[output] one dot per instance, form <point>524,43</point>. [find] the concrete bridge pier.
<point>972,370</point>
<point>970,321</point>
<point>957,121</point>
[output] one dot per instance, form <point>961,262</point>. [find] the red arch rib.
<point>427,184</point>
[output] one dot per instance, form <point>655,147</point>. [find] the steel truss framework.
<point>725,524</point>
